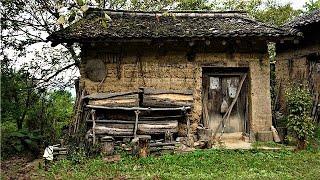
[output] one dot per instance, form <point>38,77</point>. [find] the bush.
<point>20,142</point>
<point>299,122</point>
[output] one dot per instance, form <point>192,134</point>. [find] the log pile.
<point>155,113</point>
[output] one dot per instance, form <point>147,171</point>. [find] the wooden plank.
<point>139,108</point>
<point>149,91</point>
<point>205,102</point>
<point>93,113</point>
<point>162,117</point>
<point>156,149</point>
<point>115,103</point>
<point>113,131</point>
<point>132,122</point>
<point>99,130</point>
<point>109,95</point>
<point>157,125</point>
<point>162,144</point>
<point>156,131</point>
<point>227,115</point>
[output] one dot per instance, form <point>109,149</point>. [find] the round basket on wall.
<point>95,70</point>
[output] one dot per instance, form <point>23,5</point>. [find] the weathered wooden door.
<point>218,93</point>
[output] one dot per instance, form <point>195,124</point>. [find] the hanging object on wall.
<point>224,107</point>
<point>95,70</point>
<point>214,83</point>
<point>232,87</point>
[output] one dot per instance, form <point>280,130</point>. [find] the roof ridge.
<point>168,12</point>
<point>264,24</point>
<point>298,21</point>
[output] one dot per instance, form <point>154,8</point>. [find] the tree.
<point>270,12</point>
<point>312,5</point>
<point>27,23</point>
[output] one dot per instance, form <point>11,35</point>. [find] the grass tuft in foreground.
<point>204,164</point>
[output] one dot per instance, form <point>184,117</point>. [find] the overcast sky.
<point>296,4</point>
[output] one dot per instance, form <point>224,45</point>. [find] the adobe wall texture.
<point>293,66</point>
<point>174,71</point>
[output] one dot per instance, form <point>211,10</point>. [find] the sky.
<point>296,4</point>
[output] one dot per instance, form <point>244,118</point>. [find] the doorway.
<point>225,89</point>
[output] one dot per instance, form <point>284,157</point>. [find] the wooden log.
<point>156,149</point>
<point>112,121</point>
<point>59,149</point>
<point>152,102</point>
<point>139,108</point>
<point>107,145</point>
<point>128,100</point>
<point>156,131</point>
<point>79,111</point>
<point>60,153</point>
<point>115,103</point>
<point>167,100</point>
<point>149,91</point>
<point>113,131</point>
<point>163,144</point>
<point>93,113</point>
<point>137,112</point>
<point>109,95</point>
<point>143,125</point>
<point>166,125</point>
<point>143,143</point>
<point>129,132</point>
<point>161,117</point>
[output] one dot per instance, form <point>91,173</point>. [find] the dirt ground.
<point>19,168</point>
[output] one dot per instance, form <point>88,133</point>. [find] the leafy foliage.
<point>312,5</point>
<point>299,103</point>
<point>17,142</point>
<point>29,114</point>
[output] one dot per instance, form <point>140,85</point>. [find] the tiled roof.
<point>165,25</point>
<point>304,20</point>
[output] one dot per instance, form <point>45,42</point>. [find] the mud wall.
<point>297,66</point>
<point>107,70</point>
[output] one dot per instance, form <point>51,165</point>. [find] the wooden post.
<point>93,114</point>
<point>140,95</point>
<point>137,112</point>
<point>144,147</point>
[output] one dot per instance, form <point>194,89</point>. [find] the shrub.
<point>19,142</point>
<point>299,122</point>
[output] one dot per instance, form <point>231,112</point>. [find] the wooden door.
<point>218,93</point>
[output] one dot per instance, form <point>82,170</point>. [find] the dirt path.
<point>18,168</point>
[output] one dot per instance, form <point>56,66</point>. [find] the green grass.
<point>204,164</point>
<point>270,144</point>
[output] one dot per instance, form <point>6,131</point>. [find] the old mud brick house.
<point>216,63</point>
<point>299,62</point>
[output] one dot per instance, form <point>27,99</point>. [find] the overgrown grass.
<point>270,144</point>
<point>204,164</point>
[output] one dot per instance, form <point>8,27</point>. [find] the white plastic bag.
<point>48,153</point>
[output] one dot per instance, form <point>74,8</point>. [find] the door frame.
<point>209,71</point>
